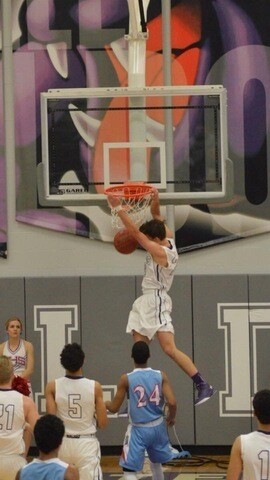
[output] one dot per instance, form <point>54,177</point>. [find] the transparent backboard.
<point>174,138</point>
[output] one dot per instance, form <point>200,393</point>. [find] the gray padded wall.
<point>214,297</point>
<point>11,302</point>
<point>105,306</point>
<point>222,320</point>
<point>52,307</point>
<point>259,288</point>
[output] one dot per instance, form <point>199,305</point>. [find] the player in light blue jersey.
<point>49,431</point>
<point>147,390</point>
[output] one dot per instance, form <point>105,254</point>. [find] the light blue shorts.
<point>154,440</point>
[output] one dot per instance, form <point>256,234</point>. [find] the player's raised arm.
<point>152,247</point>
<point>155,211</point>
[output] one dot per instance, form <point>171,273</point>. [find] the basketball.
<point>124,242</point>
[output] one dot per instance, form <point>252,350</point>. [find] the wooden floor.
<point>195,468</point>
<point>214,464</point>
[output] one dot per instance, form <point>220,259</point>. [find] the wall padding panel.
<point>220,312</point>
<point>105,305</point>
<point>222,322</point>
<point>259,315</point>
<point>53,319</point>
<point>11,302</point>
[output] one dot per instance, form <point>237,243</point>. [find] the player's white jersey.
<point>12,422</point>
<point>18,356</point>
<point>75,399</point>
<point>156,276</point>
<point>255,449</point>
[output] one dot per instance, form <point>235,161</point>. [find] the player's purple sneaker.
<point>205,391</point>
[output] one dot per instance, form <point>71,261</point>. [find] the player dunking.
<point>151,312</point>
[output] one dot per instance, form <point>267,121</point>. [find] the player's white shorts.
<point>10,465</point>
<point>84,453</point>
<point>151,312</point>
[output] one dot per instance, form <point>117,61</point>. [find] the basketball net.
<point>135,198</point>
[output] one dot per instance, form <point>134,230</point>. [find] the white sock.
<point>130,476</point>
<point>157,471</point>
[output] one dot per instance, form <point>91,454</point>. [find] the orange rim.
<point>129,190</point>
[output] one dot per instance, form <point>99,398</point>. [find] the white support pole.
<point>167,77</point>
<point>7,65</point>
<point>136,78</point>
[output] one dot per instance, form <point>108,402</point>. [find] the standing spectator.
<point>21,352</point>
<point>78,401</point>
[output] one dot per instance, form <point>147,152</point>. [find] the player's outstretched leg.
<point>204,389</point>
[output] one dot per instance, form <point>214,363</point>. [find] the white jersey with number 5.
<point>75,399</point>
<point>12,422</point>
<point>255,449</point>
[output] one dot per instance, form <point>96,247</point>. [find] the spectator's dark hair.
<point>154,229</point>
<point>261,405</point>
<point>48,432</point>
<point>72,357</point>
<point>140,352</point>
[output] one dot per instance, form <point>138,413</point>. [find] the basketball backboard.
<point>174,138</point>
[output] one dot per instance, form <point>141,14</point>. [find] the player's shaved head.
<point>140,352</point>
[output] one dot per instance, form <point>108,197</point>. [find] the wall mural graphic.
<point>81,44</point>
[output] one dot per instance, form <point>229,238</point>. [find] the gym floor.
<point>216,465</point>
